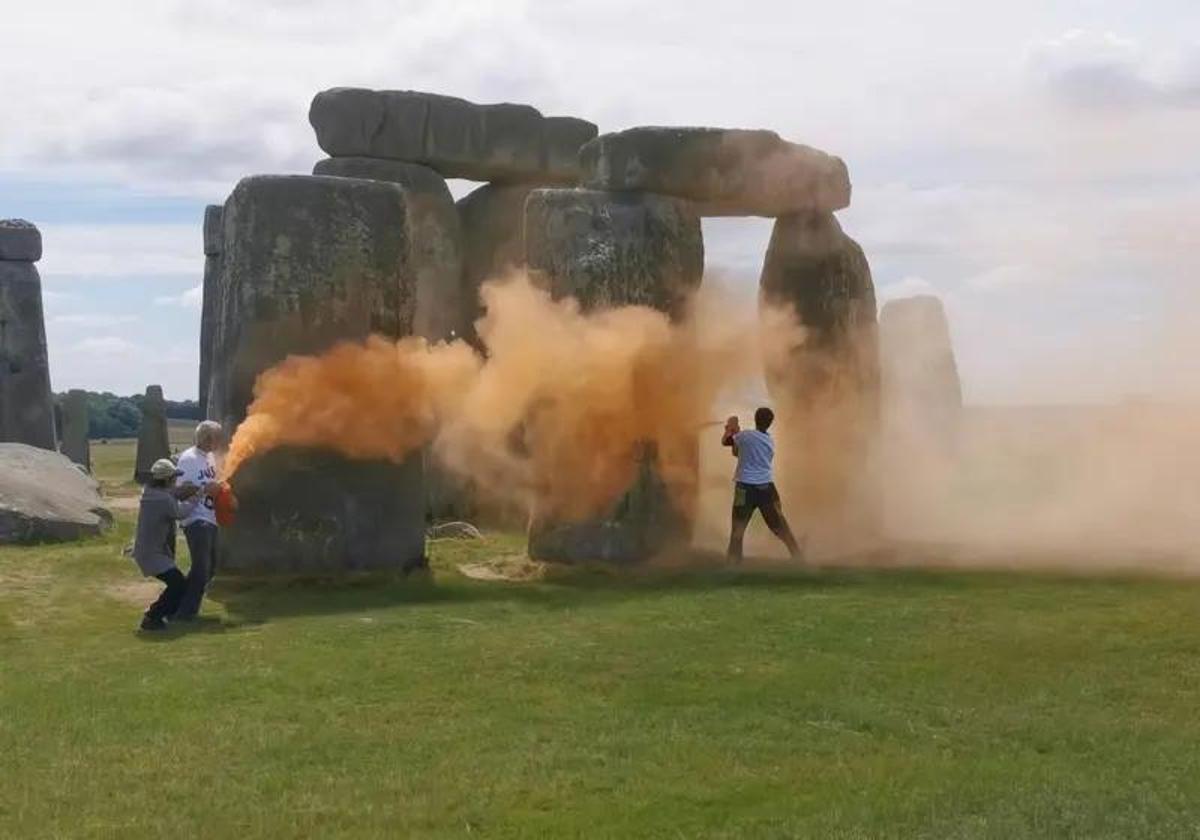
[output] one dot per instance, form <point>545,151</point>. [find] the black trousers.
<point>764,498</point>
<point>202,545</point>
<point>169,600</point>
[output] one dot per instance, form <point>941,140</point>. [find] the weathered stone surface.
<point>44,497</point>
<point>75,442</point>
<point>26,403</point>
<point>645,522</point>
<point>153,442</point>
<point>454,531</point>
<point>458,138</point>
<point>212,230</point>
<point>920,380</point>
<point>562,138</point>
<point>311,512</point>
<point>20,241</point>
<point>308,262</point>
<point>493,225</point>
<point>615,249</point>
<point>210,297</point>
<point>726,172</point>
<point>825,382</point>
<point>436,238</point>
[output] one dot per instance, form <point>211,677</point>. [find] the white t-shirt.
<point>199,468</point>
<point>756,451</point>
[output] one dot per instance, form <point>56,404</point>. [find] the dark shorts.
<point>748,498</point>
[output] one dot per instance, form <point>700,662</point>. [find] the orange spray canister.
<point>225,504</point>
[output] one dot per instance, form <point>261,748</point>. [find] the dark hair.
<point>763,418</point>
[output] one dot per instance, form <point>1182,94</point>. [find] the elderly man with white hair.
<point>198,466</point>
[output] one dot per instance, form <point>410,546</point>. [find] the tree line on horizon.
<point>113,416</point>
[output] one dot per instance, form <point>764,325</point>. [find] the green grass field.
<point>763,702</point>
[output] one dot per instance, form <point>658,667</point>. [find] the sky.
<point>1033,163</point>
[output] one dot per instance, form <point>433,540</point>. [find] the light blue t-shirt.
<point>756,451</point>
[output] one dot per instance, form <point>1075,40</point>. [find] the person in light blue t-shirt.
<point>754,486</point>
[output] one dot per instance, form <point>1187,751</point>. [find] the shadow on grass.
<point>200,625</point>
<point>567,587</point>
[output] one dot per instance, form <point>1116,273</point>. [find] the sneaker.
<point>152,624</point>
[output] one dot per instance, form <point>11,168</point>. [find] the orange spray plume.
<point>558,415</point>
<point>378,399</point>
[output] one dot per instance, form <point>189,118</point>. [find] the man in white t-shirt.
<point>754,487</point>
<point>198,466</point>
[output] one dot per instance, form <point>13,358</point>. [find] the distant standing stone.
<point>75,443</point>
<point>26,403</point>
<point>210,301</point>
<point>153,442</point>
<point>922,394</point>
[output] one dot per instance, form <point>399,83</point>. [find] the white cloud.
<point>192,298</point>
<point>1004,277</point>
<point>101,250</point>
<point>95,320</point>
<point>1104,69</point>
<point>109,346</point>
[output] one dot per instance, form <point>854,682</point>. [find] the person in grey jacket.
<point>160,507</point>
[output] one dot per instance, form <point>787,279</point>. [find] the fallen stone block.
<point>44,497</point>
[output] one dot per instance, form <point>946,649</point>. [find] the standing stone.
<point>26,402</point>
<point>309,262</point>
<point>823,379</point>
<point>616,249</point>
<point>436,238</point>
<point>211,296</point>
<point>922,395</point>
<point>459,139</point>
<point>75,443</point>
<point>153,442</point>
<point>493,224</point>
<point>445,314</point>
